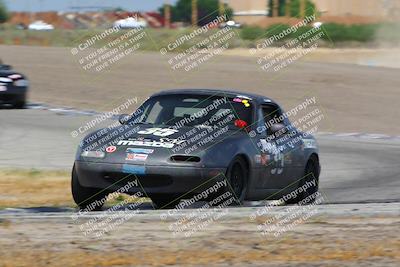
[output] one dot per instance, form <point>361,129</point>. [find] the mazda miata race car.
<point>13,87</point>
<point>182,143</point>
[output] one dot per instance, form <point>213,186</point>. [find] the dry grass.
<point>29,188</point>
<point>33,188</point>
<point>301,251</point>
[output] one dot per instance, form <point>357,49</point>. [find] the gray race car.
<point>182,142</point>
<point>13,87</point>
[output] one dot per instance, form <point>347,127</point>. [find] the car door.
<point>277,173</point>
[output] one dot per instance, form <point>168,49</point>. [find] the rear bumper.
<point>152,179</point>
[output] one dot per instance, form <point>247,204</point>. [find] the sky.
<point>70,5</point>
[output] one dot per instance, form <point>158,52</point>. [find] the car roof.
<point>217,92</point>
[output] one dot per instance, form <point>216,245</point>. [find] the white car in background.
<point>231,24</point>
<point>130,23</point>
<point>40,25</point>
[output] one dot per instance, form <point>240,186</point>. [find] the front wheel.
<point>86,198</point>
<point>20,104</point>
<point>308,186</point>
<point>237,179</point>
<point>165,201</point>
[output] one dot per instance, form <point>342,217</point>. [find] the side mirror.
<point>278,128</point>
<point>124,118</point>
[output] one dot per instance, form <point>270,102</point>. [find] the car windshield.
<point>194,110</point>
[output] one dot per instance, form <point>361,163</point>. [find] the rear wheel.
<point>309,181</point>
<point>85,197</point>
<point>237,178</point>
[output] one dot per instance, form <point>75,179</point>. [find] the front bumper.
<point>13,95</point>
<point>152,179</point>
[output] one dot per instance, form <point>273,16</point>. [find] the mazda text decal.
<point>163,142</point>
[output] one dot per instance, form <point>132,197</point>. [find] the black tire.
<point>311,172</point>
<point>165,201</point>
<point>91,199</point>
<point>237,180</point>
<point>20,104</point>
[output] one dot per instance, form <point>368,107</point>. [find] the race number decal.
<point>159,131</point>
<point>279,159</point>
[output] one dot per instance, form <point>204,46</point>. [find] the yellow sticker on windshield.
<point>244,101</point>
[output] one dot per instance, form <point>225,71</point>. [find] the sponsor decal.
<point>163,142</point>
<point>3,88</point>
<point>244,101</point>
<point>139,150</point>
<point>133,169</point>
<point>111,149</point>
<point>265,159</point>
<point>240,124</point>
<point>262,159</point>
<point>136,157</point>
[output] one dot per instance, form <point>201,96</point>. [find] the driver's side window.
<point>272,114</point>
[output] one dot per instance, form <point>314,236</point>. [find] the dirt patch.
<point>366,57</point>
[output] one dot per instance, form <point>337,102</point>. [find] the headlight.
<point>21,83</point>
<point>5,80</point>
<point>93,154</point>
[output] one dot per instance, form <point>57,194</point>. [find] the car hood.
<point>154,145</point>
<point>11,75</point>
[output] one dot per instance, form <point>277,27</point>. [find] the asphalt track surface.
<point>354,169</point>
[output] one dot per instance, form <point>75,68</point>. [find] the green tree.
<point>294,8</point>
<point>208,10</point>
<point>4,16</point>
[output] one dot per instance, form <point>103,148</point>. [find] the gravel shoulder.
<point>350,235</point>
